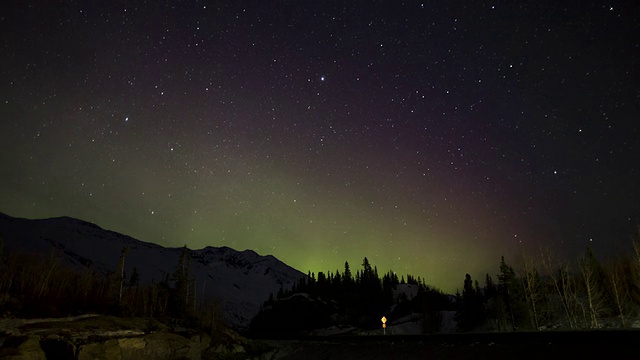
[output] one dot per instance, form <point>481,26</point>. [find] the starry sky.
<point>430,136</point>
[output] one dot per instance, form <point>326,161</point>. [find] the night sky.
<point>432,137</point>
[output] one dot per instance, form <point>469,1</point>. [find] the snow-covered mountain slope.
<point>241,280</point>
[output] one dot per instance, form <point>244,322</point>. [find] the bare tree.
<point>617,273</point>
<point>85,283</point>
<point>51,266</point>
<point>636,267</point>
<point>532,289</point>
<point>558,275</point>
<point>589,268</point>
<point>120,269</point>
<point>570,295</point>
<point>6,275</point>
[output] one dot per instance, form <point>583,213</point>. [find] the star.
<point>273,155</point>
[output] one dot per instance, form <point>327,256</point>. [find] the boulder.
<point>107,350</point>
<point>159,345</point>
<point>133,348</point>
<point>28,350</point>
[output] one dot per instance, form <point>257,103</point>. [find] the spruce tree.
<point>469,315</point>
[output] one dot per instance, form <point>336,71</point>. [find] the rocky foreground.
<point>107,337</point>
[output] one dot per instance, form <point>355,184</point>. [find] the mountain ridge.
<point>240,280</point>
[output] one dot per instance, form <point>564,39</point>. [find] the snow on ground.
<point>408,290</point>
<point>333,330</point>
<point>448,323</point>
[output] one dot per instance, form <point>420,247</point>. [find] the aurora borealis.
<point>431,137</point>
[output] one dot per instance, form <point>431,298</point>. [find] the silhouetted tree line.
<point>33,285</point>
<point>344,298</point>
<point>544,293</point>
